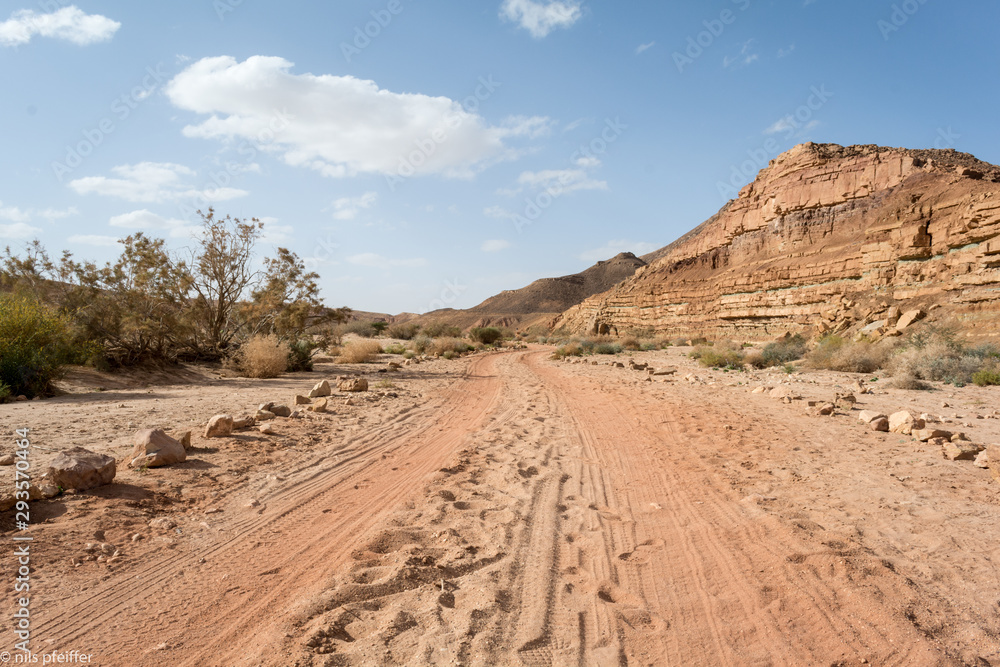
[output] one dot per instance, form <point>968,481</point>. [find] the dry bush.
<point>631,343</point>
<point>263,357</point>
<point>834,353</point>
<point>937,356</point>
<point>359,352</point>
<point>569,350</point>
<point>908,381</point>
<point>455,346</point>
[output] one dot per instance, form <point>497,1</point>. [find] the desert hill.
<point>543,299</point>
<point>826,238</point>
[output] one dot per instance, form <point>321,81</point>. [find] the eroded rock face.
<point>807,244</point>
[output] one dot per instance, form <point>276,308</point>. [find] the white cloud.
<point>13,213</point>
<point>55,214</point>
<point>68,23</point>
<point>340,125</point>
<point>577,123</point>
<point>347,208</point>
<point>499,213</point>
<point>612,248</point>
<point>562,181</point>
<point>541,18</point>
<point>275,233</point>
<point>495,245</point>
<point>785,52</point>
<point>746,56</point>
<point>18,230</point>
<point>152,182</point>
<point>791,127</point>
<point>588,162</point>
<point>144,220</point>
<point>644,47</point>
<point>94,239</point>
<point>374,261</point>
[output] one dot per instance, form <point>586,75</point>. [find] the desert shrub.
<point>300,355</point>
<point>404,330</point>
<point>441,330</point>
<point>908,381</point>
<point>359,352</point>
<point>778,353</point>
<point>395,348</point>
<point>631,343</point>
<point>420,344</point>
<point>456,346</point>
<point>987,377</point>
<point>486,335</point>
<point>262,357</point>
<point>837,354</point>
<point>409,354</point>
<point>938,356</point>
<point>720,357</point>
<point>649,346</point>
<point>568,350</point>
<point>450,354</point>
<point>607,348</point>
<point>359,328</point>
<point>34,345</point>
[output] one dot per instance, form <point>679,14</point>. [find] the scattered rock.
<point>880,424</point>
<point>7,460</point>
<point>826,409</point>
<point>244,422</point>
<point>983,460</point>
<point>904,422</point>
<point>993,461</point>
<point>925,434</point>
<point>301,400</point>
<point>162,523</point>
<point>321,389</point>
<point>961,450</point>
<point>760,390</point>
<point>185,440</point>
<point>320,405</point>
<point>845,401</point>
<point>154,448</point>
<point>219,426</point>
<point>868,416</point>
<point>267,429</point>
<point>265,415</point>
<point>281,411</point>
<point>81,469</point>
<point>909,317</point>
<point>784,392</point>
<point>353,385</point>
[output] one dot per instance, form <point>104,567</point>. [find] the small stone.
<point>137,537</point>
<point>281,411</point>
<point>353,385</point>
<point>265,415</point>
<point>881,424</point>
<point>926,434</point>
<point>301,400</point>
<point>267,429</point>
<point>243,422</point>
<point>162,523</point>
<point>983,460</point>
<point>904,422</point>
<point>868,416</point>
<point>219,426</point>
<point>7,460</point>
<point>321,389</point>
<point>320,405</point>
<point>154,449</point>
<point>960,451</point>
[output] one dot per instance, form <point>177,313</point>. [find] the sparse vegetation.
<point>420,344</point>
<point>395,348</point>
<point>568,350</point>
<point>441,330</point>
<point>34,345</point>
<point>937,355</point>
<point>262,357</point>
<point>359,328</point>
<point>720,356</point>
<point>778,353</point>
<point>631,343</point>
<point>404,331</point>
<point>835,353</point>
<point>300,355</point>
<point>455,346</point>
<point>359,352</point>
<point>486,335</point>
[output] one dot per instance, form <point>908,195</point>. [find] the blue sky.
<point>423,154</point>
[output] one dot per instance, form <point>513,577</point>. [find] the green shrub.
<point>568,350</point>
<point>441,330</point>
<point>834,353</point>
<point>607,348</point>
<point>420,344</point>
<point>779,353</point>
<point>395,348</point>
<point>34,345</point>
<point>404,331</point>
<point>359,328</point>
<point>409,354</point>
<point>457,346</point>
<point>486,335</point>
<point>986,378</point>
<point>718,357</point>
<point>300,355</point>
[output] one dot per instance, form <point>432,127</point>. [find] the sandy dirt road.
<point>531,513</point>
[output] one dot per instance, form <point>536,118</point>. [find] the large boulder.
<point>904,422</point>
<point>219,426</point>
<point>353,385</point>
<point>154,449</point>
<point>81,469</point>
<point>909,317</point>
<point>320,390</point>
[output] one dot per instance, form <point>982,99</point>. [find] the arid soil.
<point>509,509</point>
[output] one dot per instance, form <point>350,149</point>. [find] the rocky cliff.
<point>825,238</point>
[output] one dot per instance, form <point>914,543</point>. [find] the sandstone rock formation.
<point>825,238</point>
